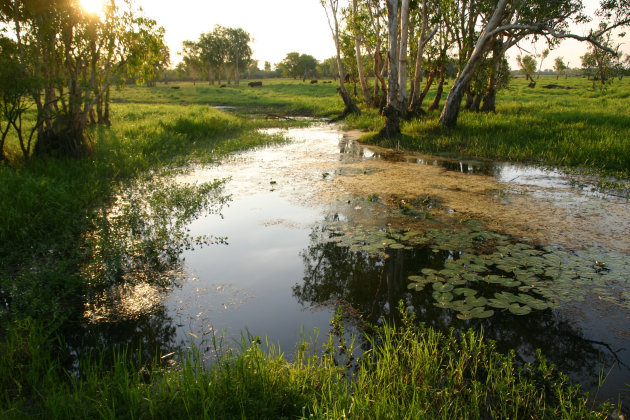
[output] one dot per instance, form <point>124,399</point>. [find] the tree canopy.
<point>68,60</point>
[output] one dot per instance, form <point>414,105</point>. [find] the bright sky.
<point>277,26</point>
<point>282,26</point>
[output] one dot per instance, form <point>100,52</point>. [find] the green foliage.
<point>216,51</point>
<point>409,372</point>
<point>298,65</point>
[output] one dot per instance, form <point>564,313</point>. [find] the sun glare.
<point>92,6</point>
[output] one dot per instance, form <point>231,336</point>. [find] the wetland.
<point>321,221</point>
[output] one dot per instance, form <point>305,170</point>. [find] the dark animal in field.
<point>532,85</point>
<point>223,86</point>
<point>313,82</point>
<point>554,86</point>
<point>175,87</point>
<point>327,82</point>
<point>254,84</point>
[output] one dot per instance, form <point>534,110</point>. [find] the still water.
<point>311,225</point>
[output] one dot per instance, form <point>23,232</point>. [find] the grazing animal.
<point>254,84</point>
<point>223,86</point>
<point>313,82</point>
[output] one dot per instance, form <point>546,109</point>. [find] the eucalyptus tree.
<point>353,19</point>
<point>192,64</point>
<point>14,96</point>
<point>559,67</point>
<point>331,7</point>
<point>528,64</point>
<point>75,57</point>
<point>367,23</point>
<point>428,14</point>
<point>239,53</point>
<point>213,52</point>
<point>298,65</point>
<point>518,19</point>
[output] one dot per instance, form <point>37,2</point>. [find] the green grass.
<point>577,128</point>
<point>281,96</point>
<point>410,373</point>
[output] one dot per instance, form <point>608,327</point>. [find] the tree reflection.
<point>374,286</point>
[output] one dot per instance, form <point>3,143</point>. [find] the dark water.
<point>277,278</point>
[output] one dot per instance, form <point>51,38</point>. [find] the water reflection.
<point>373,286</point>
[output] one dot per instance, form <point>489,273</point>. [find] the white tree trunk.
<point>402,53</point>
<point>357,46</point>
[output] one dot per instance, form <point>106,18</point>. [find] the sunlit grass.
<point>573,128</point>
<point>409,373</point>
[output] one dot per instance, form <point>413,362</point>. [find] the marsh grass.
<point>282,96</point>
<point>580,127</point>
<point>409,372</point>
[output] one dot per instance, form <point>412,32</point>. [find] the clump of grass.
<point>409,372</point>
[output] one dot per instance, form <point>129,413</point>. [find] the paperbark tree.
<point>392,111</point>
<point>416,97</point>
<point>359,56</point>
<point>331,7</point>
<point>520,19</point>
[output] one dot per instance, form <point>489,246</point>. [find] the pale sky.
<point>282,26</point>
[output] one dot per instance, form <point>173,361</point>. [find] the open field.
<point>49,207</point>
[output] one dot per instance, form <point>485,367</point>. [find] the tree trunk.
<point>449,115</point>
<point>350,106</point>
<point>438,94</point>
<point>402,55</point>
<point>357,47</point>
<point>489,99</point>
<point>392,111</point>
<point>427,86</point>
<point>476,103</point>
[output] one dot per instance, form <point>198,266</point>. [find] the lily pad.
<point>517,309</point>
<point>465,291</point>
<point>442,287</point>
<point>443,296</point>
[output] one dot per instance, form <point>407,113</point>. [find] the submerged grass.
<point>410,372</point>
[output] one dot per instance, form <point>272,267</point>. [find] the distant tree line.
<point>60,62</point>
<point>221,52</point>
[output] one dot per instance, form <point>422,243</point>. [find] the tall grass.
<point>410,372</point>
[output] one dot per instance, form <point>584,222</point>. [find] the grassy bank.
<point>410,373</point>
<point>579,127</point>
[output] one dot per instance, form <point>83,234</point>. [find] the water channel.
<point>536,260</point>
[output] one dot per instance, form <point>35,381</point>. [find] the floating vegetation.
<point>485,273</point>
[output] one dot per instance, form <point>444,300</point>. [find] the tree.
<point>192,62</point>
<point>355,28</point>
<point>559,66</point>
<point>528,66</point>
<point>331,7</point>
<point>239,52</point>
<point>15,90</point>
<point>298,65</point>
<point>76,57</point>
<point>517,20</point>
